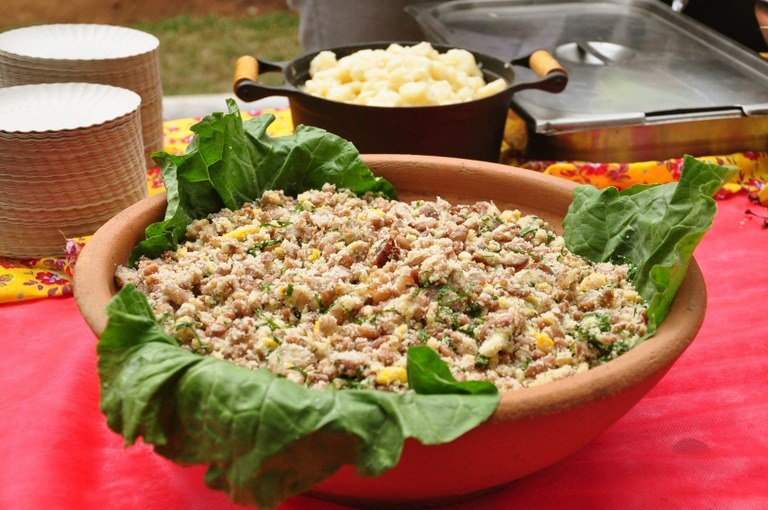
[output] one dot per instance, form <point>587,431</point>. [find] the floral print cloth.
<point>753,172</point>
<point>52,276</point>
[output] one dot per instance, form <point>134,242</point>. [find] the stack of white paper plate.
<point>89,53</point>
<point>71,157</point>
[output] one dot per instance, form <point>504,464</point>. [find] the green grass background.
<point>198,55</point>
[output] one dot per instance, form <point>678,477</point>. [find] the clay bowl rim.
<point>93,289</point>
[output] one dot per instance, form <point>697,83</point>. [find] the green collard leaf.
<point>310,158</point>
<point>137,354</point>
<point>653,228</point>
<point>229,163</point>
<point>429,374</point>
<point>265,438</point>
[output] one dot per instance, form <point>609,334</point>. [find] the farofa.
<point>331,289</point>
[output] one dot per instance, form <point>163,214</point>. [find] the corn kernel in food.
<point>388,375</point>
<point>241,233</point>
<point>544,342</point>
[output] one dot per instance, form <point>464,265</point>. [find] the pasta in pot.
<point>400,76</point>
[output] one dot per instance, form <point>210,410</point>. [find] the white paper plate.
<point>60,106</point>
<point>77,42</point>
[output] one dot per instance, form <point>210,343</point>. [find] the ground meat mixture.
<point>331,289</point>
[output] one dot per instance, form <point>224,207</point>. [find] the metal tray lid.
<point>630,62</point>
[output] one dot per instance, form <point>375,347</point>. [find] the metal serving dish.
<point>473,129</point>
<point>644,81</point>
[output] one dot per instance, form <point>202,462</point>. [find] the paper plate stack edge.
<point>71,157</point>
<point>89,53</point>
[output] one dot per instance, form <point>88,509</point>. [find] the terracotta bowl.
<point>532,427</point>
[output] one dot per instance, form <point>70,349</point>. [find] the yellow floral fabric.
<point>52,276</point>
<point>753,172</point>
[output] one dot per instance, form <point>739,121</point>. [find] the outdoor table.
<point>699,439</point>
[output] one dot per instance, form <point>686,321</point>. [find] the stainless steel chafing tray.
<point>645,82</point>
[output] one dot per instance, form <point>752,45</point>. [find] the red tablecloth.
<point>697,440</point>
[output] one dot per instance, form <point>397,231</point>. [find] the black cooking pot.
<point>472,130</point>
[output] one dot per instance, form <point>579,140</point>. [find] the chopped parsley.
<point>277,224</point>
<point>481,361</point>
<point>257,247</point>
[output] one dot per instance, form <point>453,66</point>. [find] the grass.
<point>197,55</point>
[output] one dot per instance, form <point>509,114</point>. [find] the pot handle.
<point>246,85</point>
<point>554,76</point>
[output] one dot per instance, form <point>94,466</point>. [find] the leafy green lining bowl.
<point>531,428</point>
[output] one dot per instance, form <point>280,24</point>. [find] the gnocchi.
<point>399,75</point>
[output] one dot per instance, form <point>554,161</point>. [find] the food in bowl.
<point>265,437</point>
<point>400,75</point>
<point>329,288</point>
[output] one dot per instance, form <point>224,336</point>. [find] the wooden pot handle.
<point>246,68</point>
<point>246,80</point>
<point>554,77</point>
<point>543,63</point>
